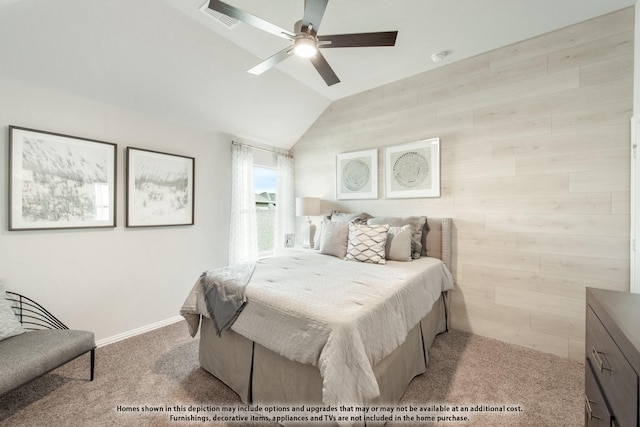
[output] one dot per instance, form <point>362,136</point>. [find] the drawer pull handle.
<point>587,405</point>
<point>598,360</point>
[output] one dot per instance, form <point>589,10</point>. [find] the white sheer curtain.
<point>285,200</point>
<point>243,232</point>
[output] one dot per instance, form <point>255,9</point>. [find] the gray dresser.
<point>612,362</point>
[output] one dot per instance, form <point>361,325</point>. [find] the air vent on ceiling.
<point>220,18</point>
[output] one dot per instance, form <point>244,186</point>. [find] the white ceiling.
<point>462,28</point>
<point>168,59</point>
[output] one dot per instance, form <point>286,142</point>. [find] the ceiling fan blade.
<point>313,13</point>
<point>271,61</point>
<point>250,19</point>
<point>386,38</point>
<point>324,69</point>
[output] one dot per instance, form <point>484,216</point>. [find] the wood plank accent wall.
<point>535,166</point>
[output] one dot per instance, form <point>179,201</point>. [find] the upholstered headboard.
<point>439,239</point>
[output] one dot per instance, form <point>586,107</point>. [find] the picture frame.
<point>59,181</point>
<point>160,189</point>
<point>357,175</point>
<point>413,170</point>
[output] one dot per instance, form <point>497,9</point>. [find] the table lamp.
<point>308,206</point>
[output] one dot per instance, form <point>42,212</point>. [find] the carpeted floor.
<point>160,369</point>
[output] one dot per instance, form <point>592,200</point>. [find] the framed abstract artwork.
<point>60,181</point>
<point>357,175</point>
<point>413,170</point>
<point>159,189</point>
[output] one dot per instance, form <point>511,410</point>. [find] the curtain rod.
<point>281,151</point>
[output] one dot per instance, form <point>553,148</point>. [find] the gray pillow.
<point>334,238</point>
<point>398,246</point>
<point>359,218</point>
<point>417,224</point>
<point>9,323</point>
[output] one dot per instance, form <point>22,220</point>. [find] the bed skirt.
<point>261,376</point>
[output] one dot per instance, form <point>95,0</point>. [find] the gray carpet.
<point>160,369</point>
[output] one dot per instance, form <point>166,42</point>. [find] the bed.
<point>319,330</point>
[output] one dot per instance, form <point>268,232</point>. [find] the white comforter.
<point>342,316</point>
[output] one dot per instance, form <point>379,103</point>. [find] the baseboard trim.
<point>138,331</point>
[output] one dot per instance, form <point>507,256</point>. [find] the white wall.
<point>114,280</point>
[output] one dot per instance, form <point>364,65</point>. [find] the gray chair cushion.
<point>32,354</point>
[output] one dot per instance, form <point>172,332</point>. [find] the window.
<point>102,200</point>
<point>264,186</point>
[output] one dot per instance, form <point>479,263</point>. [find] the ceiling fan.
<point>305,39</point>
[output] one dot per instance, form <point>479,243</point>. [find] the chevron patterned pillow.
<point>367,243</point>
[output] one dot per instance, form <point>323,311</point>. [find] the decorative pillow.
<point>318,238</point>
<point>359,218</point>
<point>425,232</point>
<point>334,238</point>
<point>417,224</point>
<point>367,243</point>
<point>9,323</point>
<point>398,246</point>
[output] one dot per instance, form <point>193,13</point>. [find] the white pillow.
<point>367,243</point>
<point>318,239</point>
<point>9,323</point>
<point>398,246</point>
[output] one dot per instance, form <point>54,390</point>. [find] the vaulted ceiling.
<point>171,60</point>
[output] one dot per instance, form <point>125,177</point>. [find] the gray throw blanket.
<point>223,291</point>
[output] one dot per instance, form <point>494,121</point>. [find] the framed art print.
<point>357,175</point>
<point>413,170</point>
<point>160,188</point>
<point>60,181</point>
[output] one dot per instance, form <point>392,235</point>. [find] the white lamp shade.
<point>308,206</point>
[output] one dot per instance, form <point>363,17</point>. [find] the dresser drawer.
<point>596,412</point>
<point>614,374</point>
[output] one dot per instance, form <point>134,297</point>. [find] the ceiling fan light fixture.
<point>305,46</point>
